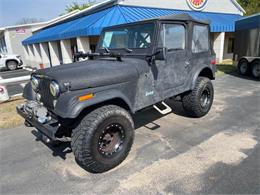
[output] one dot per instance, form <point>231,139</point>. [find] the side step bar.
<point>167,109</point>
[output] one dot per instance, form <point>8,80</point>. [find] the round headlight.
<point>34,83</point>
<point>55,89</point>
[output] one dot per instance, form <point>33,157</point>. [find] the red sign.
<point>20,30</point>
<point>197,4</point>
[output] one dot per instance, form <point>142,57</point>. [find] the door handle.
<point>187,63</point>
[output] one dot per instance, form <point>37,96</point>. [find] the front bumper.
<point>20,63</point>
<point>48,128</point>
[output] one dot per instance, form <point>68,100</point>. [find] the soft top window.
<point>134,37</point>
<point>172,36</point>
<point>200,39</point>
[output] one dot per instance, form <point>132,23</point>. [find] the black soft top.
<point>181,17</point>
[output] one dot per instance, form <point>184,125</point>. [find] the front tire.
<point>103,138</point>
<point>198,102</point>
<point>12,65</point>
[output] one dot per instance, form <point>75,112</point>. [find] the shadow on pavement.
<point>58,148</point>
<point>232,70</point>
<point>248,77</point>
<point>145,118</point>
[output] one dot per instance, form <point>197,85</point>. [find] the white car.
<point>10,61</point>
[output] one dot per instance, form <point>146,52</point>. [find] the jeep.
<point>135,66</point>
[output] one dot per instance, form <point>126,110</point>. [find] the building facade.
<point>55,44</point>
<point>11,37</point>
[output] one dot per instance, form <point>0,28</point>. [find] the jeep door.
<point>172,72</point>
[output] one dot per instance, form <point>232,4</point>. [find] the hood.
<point>93,73</point>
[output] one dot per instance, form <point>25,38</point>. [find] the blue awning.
<point>93,24</point>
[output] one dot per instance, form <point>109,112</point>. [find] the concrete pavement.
<point>173,154</point>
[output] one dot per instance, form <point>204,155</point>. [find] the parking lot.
<point>14,88</point>
<point>171,154</point>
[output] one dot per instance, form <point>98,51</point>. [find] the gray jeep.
<point>135,66</point>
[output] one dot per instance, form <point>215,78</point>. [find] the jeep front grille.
<point>46,96</point>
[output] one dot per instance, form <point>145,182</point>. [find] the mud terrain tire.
<point>103,138</point>
<point>198,102</point>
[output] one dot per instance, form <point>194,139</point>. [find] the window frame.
<point>209,42</point>
<point>136,50</point>
<point>173,23</point>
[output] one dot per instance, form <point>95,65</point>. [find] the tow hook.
<point>27,124</point>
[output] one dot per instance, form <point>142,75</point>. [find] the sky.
<point>12,11</point>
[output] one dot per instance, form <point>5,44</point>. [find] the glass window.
<point>200,40</point>
<point>172,36</point>
<point>135,37</point>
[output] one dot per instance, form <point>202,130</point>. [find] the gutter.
<point>238,6</point>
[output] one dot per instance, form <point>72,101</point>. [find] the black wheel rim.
<point>243,68</point>
<point>12,66</point>
<point>256,70</point>
<point>205,98</point>
<point>111,139</point>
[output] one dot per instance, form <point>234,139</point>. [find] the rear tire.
<point>103,138</point>
<point>243,67</point>
<point>255,69</point>
<point>12,65</point>
<point>198,102</point>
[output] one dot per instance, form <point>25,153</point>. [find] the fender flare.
<point>70,107</point>
<point>249,59</point>
<point>199,71</point>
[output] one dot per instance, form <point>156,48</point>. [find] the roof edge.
<point>45,23</point>
<point>23,25</point>
<point>238,6</point>
<point>122,5</point>
<point>251,16</point>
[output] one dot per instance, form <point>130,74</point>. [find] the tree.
<point>28,21</point>
<point>251,6</point>
<point>77,6</point>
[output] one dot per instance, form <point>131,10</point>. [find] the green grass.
<point>226,67</point>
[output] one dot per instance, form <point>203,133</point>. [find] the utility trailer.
<point>247,45</point>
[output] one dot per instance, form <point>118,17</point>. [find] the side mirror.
<point>161,53</point>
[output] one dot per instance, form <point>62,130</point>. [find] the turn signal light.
<point>86,97</point>
<point>213,62</point>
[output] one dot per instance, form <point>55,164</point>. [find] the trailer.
<point>247,45</point>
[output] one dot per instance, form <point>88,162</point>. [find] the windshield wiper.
<point>175,49</point>
<point>91,56</point>
<point>106,49</point>
<point>125,48</point>
<point>128,50</point>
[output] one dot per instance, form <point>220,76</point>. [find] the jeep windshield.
<point>128,38</point>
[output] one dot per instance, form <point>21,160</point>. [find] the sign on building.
<point>20,31</point>
<point>197,5</point>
